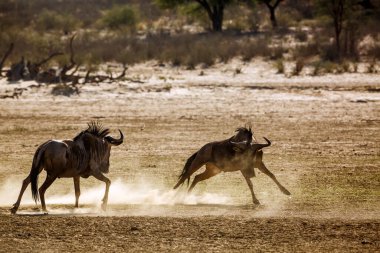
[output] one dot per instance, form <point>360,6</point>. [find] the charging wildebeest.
<point>85,155</point>
<point>233,154</point>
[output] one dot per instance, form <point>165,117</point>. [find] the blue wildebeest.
<point>233,154</point>
<point>86,155</point>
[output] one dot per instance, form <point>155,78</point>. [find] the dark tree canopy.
<point>213,8</point>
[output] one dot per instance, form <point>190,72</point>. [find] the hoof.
<point>104,207</point>
<point>256,202</point>
<point>285,191</point>
<point>13,210</point>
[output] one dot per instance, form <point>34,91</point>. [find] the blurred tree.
<point>366,4</point>
<point>51,20</point>
<point>272,6</point>
<point>119,17</point>
<point>347,16</point>
<point>213,8</point>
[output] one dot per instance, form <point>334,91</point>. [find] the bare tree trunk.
<point>215,13</point>
<point>66,68</point>
<point>217,18</point>
<point>273,19</point>
<point>272,11</point>
<point>337,39</point>
<point>7,53</point>
<point>337,13</point>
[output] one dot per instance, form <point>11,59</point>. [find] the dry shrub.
<point>328,52</point>
<point>30,44</point>
<point>300,63</point>
<point>49,20</point>
<point>306,51</point>
<point>324,67</point>
<point>276,52</point>
<point>371,68</point>
<point>120,17</point>
<point>288,18</point>
<point>64,90</point>
<point>355,67</point>
<point>251,48</point>
<point>300,36</point>
<point>374,52</point>
<point>345,67</point>
<point>317,68</point>
<point>279,65</point>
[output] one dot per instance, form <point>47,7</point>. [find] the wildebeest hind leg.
<point>77,190</point>
<point>25,184</point>
<point>198,162</point>
<point>249,182</point>
<point>211,170</point>
<point>101,177</point>
<point>48,181</point>
<point>264,170</point>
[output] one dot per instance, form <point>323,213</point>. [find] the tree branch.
<point>48,58</point>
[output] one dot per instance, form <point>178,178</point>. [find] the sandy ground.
<point>325,134</point>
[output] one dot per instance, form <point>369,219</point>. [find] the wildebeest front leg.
<point>101,177</point>
<point>77,190</point>
<point>263,169</point>
<point>48,181</point>
<point>249,182</point>
<point>25,184</point>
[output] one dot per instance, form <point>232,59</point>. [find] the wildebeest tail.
<point>36,169</point>
<point>182,176</point>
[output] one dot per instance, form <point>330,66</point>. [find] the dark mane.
<point>244,129</point>
<point>96,129</point>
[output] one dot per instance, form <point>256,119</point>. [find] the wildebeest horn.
<point>257,146</point>
<point>240,144</point>
<point>115,142</point>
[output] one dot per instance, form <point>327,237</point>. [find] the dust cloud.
<point>120,193</point>
<point>145,199</point>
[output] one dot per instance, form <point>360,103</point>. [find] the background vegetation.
<point>330,35</point>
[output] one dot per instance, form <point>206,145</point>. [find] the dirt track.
<point>203,234</point>
<point>325,151</point>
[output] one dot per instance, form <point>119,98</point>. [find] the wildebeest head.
<point>243,141</point>
<point>252,147</point>
<point>97,144</point>
<point>243,134</point>
<point>243,137</point>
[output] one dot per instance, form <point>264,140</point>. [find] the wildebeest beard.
<point>90,147</point>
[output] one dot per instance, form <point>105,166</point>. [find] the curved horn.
<point>257,146</point>
<point>115,142</point>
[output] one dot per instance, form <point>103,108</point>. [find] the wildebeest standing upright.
<point>234,154</point>
<point>85,155</point>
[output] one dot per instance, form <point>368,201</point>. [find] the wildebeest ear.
<point>249,126</point>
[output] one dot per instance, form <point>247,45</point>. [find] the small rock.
<point>365,241</point>
<point>360,101</point>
